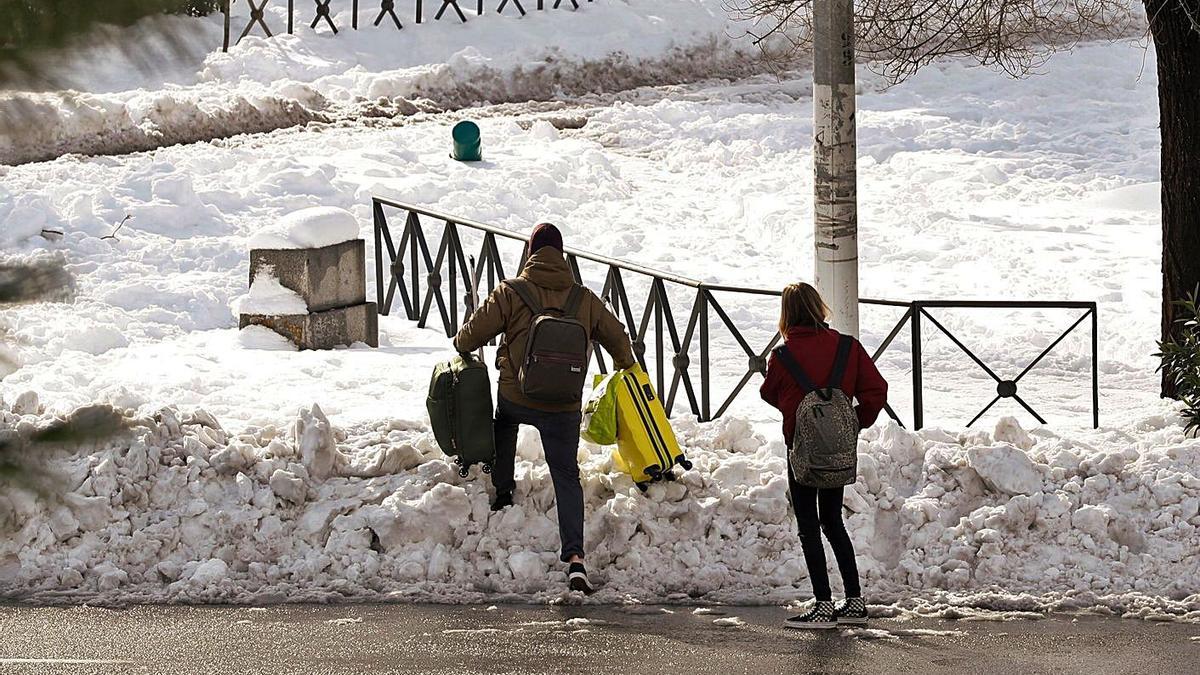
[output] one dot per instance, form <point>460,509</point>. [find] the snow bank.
<point>308,228</point>
<point>269,298</point>
<point>185,511</point>
<point>289,80</point>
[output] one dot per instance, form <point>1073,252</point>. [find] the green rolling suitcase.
<point>460,412</point>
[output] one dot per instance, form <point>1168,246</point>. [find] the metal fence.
<point>322,13</point>
<point>423,278</point>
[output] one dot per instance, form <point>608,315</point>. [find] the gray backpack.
<point>557,349</point>
<point>824,452</point>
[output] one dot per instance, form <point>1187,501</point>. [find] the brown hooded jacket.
<point>504,312</point>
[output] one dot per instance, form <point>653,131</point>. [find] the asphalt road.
<point>566,639</point>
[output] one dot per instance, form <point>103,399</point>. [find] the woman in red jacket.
<point>813,346</point>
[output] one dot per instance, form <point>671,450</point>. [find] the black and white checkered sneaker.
<point>822,616</point>
<point>852,611</point>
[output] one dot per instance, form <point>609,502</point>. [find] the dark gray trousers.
<point>560,441</point>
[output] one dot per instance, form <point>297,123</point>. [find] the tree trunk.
<point>1177,43</point>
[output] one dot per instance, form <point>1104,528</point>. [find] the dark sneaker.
<point>822,616</point>
<point>502,501</point>
<point>852,611</point>
<point>577,579</point>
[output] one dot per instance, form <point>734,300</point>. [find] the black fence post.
<point>705,394</point>
<point>420,10</point>
<point>225,10</point>
<point>291,16</point>
<point>354,18</point>
<point>918,385</point>
<point>1095,368</point>
<point>414,228</point>
<point>377,216</point>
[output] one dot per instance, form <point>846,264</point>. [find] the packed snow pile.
<point>183,510</point>
<point>314,76</point>
<point>308,228</point>
<point>268,297</point>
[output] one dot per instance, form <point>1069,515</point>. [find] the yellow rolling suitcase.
<point>646,444</point>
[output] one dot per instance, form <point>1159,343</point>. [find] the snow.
<point>164,517</point>
<point>314,227</point>
<point>269,297</point>
<point>256,473</point>
<point>264,84</point>
<point>712,156</point>
<point>1006,469</point>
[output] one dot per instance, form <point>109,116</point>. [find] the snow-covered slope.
<point>264,84</point>
<point>972,188</point>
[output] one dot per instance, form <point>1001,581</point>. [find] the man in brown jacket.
<point>547,271</point>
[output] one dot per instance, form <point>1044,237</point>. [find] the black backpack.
<point>557,349</point>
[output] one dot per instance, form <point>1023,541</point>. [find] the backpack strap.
<point>840,362</point>
<point>798,375</point>
<point>574,299</point>
<point>521,287</point>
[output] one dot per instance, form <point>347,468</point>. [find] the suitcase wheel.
<point>654,472</point>
<point>668,476</point>
<point>463,472</point>
<point>643,486</point>
<point>685,463</point>
<point>487,468</point>
<point>458,461</point>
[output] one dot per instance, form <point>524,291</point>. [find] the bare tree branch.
<point>899,37</point>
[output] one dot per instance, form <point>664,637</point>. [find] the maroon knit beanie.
<point>545,234</point>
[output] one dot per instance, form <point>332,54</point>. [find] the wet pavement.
<point>567,639</point>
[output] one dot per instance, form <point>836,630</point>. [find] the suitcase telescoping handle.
<point>473,300</point>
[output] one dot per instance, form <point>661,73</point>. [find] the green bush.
<point>1180,358</point>
<point>33,24</point>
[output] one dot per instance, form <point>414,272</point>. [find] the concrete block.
<point>323,330</point>
<point>327,278</point>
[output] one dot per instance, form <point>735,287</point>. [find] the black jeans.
<point>560,441</point>
<point>817,510</point>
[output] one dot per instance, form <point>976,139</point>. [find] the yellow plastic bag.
<point>600,413</point>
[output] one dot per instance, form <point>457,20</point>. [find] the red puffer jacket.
<point>814,349</point>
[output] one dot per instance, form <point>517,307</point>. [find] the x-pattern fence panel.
<point>400,269</point>
<point>323,12</point>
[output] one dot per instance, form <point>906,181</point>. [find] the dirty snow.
<point>268,297</point>
<point>183,510</point>
<point>316,77</point>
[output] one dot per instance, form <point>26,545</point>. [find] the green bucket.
<point>467,142</point>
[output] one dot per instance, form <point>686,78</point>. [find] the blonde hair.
<point>801,306</point>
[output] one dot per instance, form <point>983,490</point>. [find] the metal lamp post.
<point>835,208</point>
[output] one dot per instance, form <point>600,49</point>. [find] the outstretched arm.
<point>610,333</point>
<point>485,323</point>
